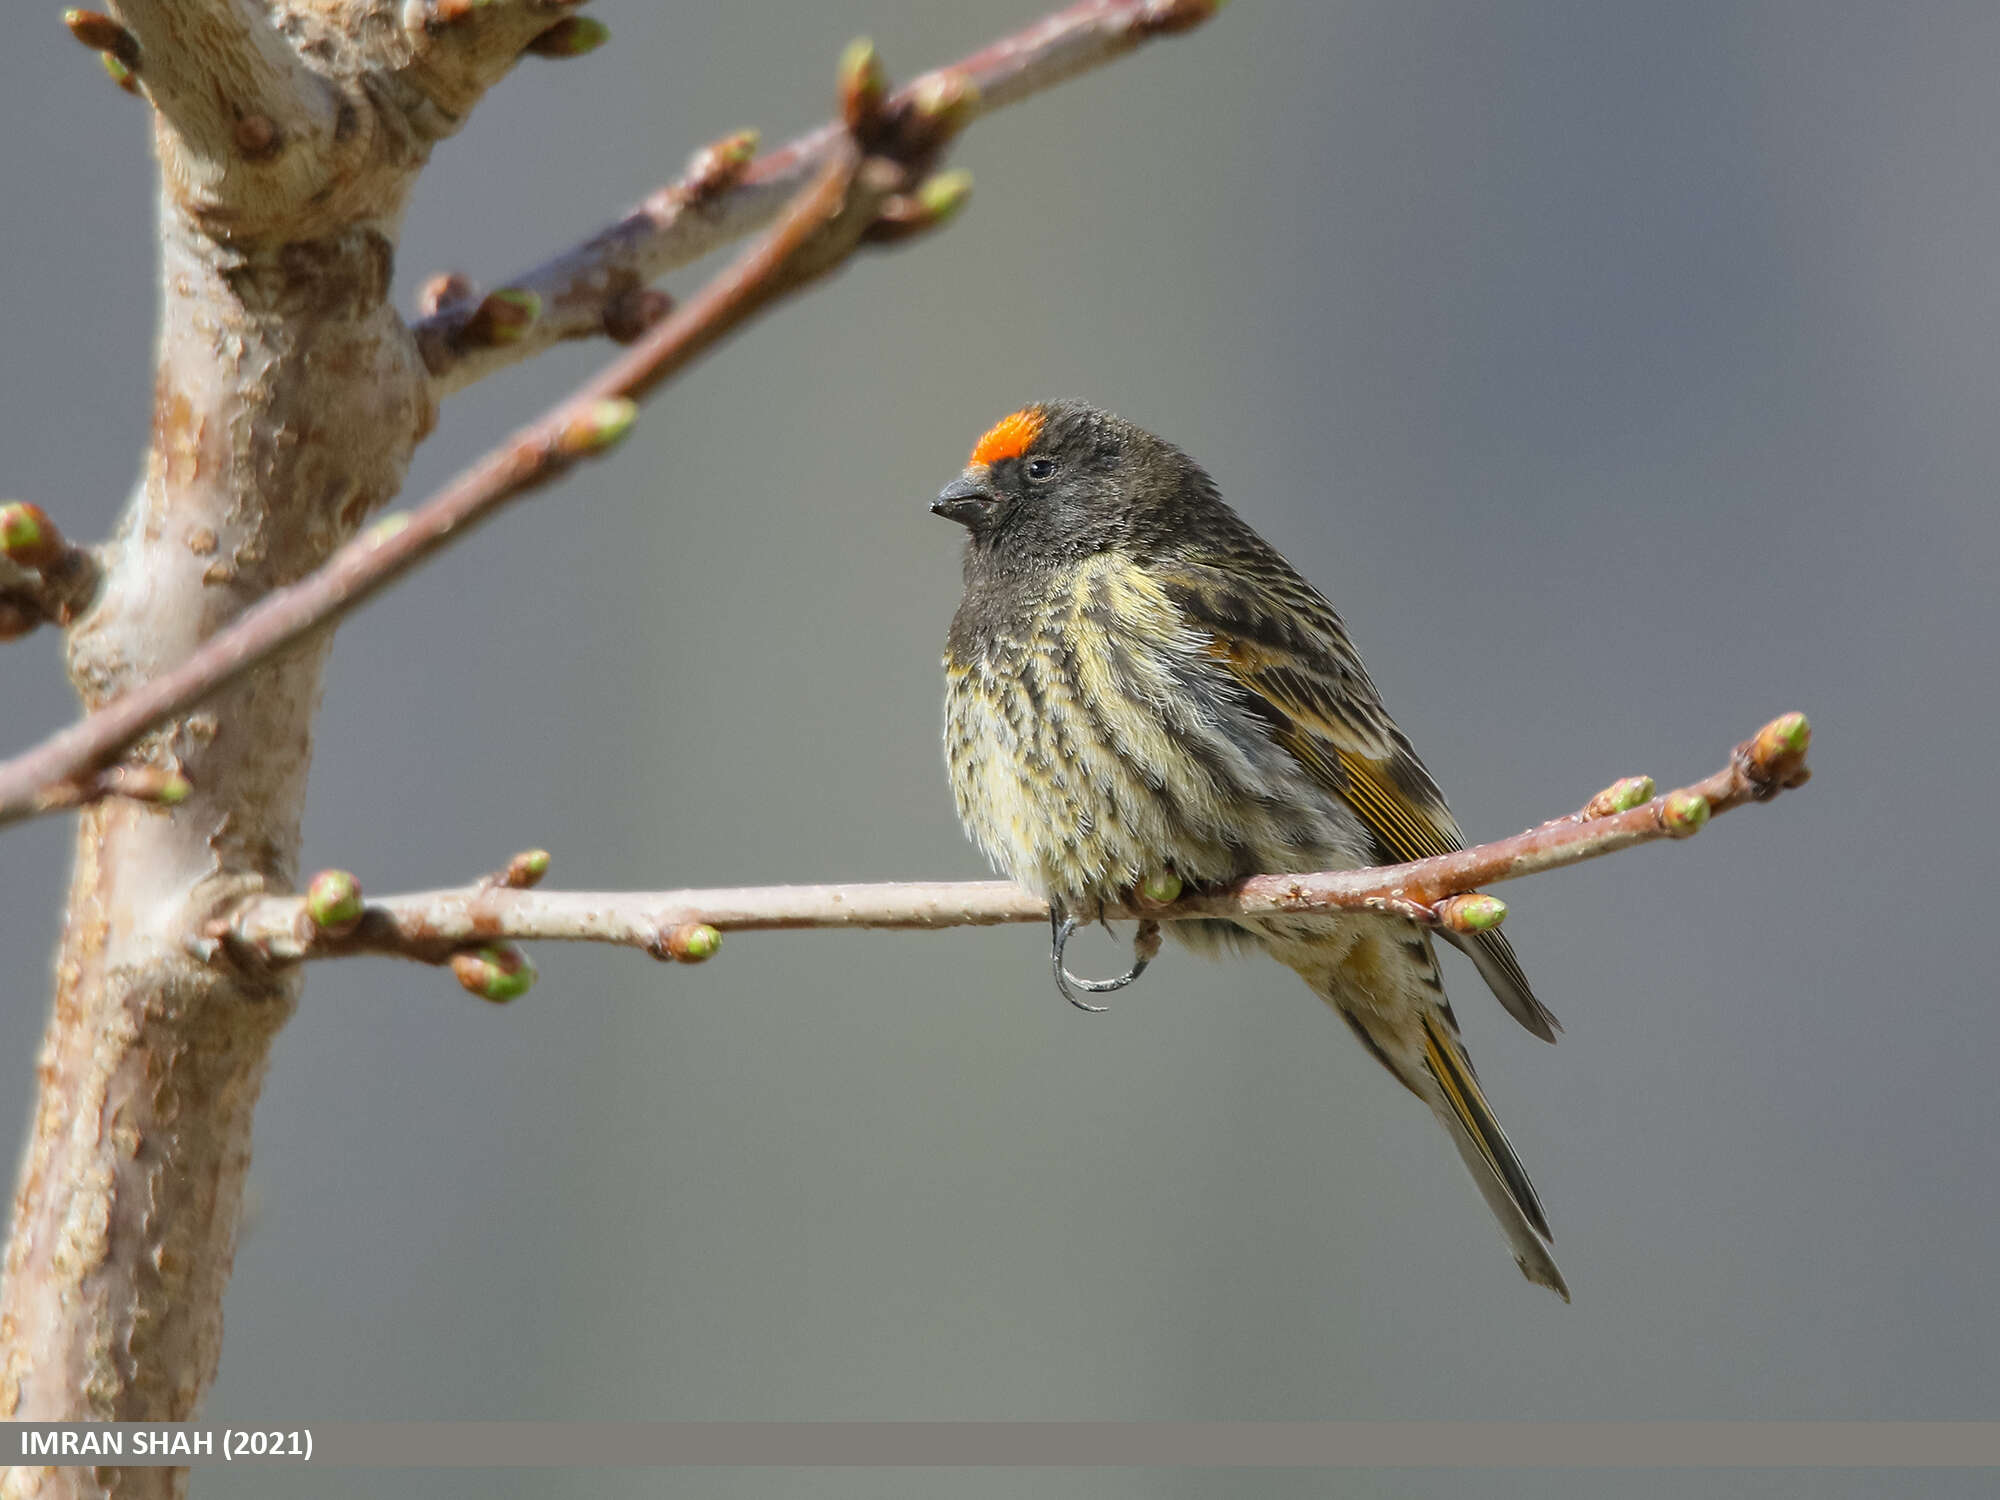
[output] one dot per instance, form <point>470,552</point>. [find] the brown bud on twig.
<point>940,106</point>
<point>502,317</point>
<point>1621,796</point>
<point>596,426</point>
<point>30,541</point>
<point>691,943</point>
<point>572,37</point>
<point>119,74</point>
<point>446,292</point>
<point>1472,912</point>
<point>1776,756</point>
<point>719,166</point>
<point>334,903</point>
<point>28,538</point>
<point>498,972</point>
<point>863,87</point>
<point>154,784</point>
<point>632,312</point>
<point>525,870</point>
<point>934,203</point>
<point>1684,813</point>
<point>101,33</point>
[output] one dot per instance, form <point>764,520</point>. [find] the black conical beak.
<point>964,500</point>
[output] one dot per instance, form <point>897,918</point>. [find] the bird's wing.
<point>1281,643</point>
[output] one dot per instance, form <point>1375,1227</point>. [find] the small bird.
<point>1138,686</point>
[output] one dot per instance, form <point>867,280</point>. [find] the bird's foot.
<point>1145,947</point>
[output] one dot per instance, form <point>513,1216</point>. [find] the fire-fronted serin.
<point>1138,686</point>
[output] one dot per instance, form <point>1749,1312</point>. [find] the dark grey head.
<point>1060,480</point>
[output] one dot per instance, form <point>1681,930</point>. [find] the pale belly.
<point>1044,795</point>
<point>1082,804</point>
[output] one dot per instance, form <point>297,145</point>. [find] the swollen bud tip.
<point>572,37</point>
<point>150,784</point>
<point>504,317</point>
<point>1784,737</point>
<point>104,34</point>
<point>945,194</point>
<point>628,315</point>
<point>1473,913</point>
<point>1161,889</point>
<point>118,73</point>
<point>595,427</point>
<point>944,100</point>
<point>445,291</point>
<point>1621,796</point>
<point>498,972</point>
<point>1684,813</point>
<point>28,538</point>
<point>333,902</point>
<point>739,149</point>
<point>526,869</point>
<point>863,85</point>
<point>693,943</point>
<point>718,166</point>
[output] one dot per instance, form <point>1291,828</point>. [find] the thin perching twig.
<point>585,425</point>
<point>593,287</point>
<point>438,926</point>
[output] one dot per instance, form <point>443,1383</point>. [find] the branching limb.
<point>440,926</point>
<point>591,421</point>
<point>234,97</point>
<point>249,131</point>
<point>585,290</point>
<point>457,49</point>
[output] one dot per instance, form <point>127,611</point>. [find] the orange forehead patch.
<point>1009,437</point>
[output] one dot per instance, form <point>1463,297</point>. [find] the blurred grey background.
<point>1626,373</point>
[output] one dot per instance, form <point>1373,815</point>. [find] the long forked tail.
<point>1455,1097</point>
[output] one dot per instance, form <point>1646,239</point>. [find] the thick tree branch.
<point>207,64</point>
<point>240,116</point>
<point>586,290</point>
<point>433,926</point>
<point>288,397</point>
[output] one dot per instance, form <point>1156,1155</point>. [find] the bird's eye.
<point>1041,468</point>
